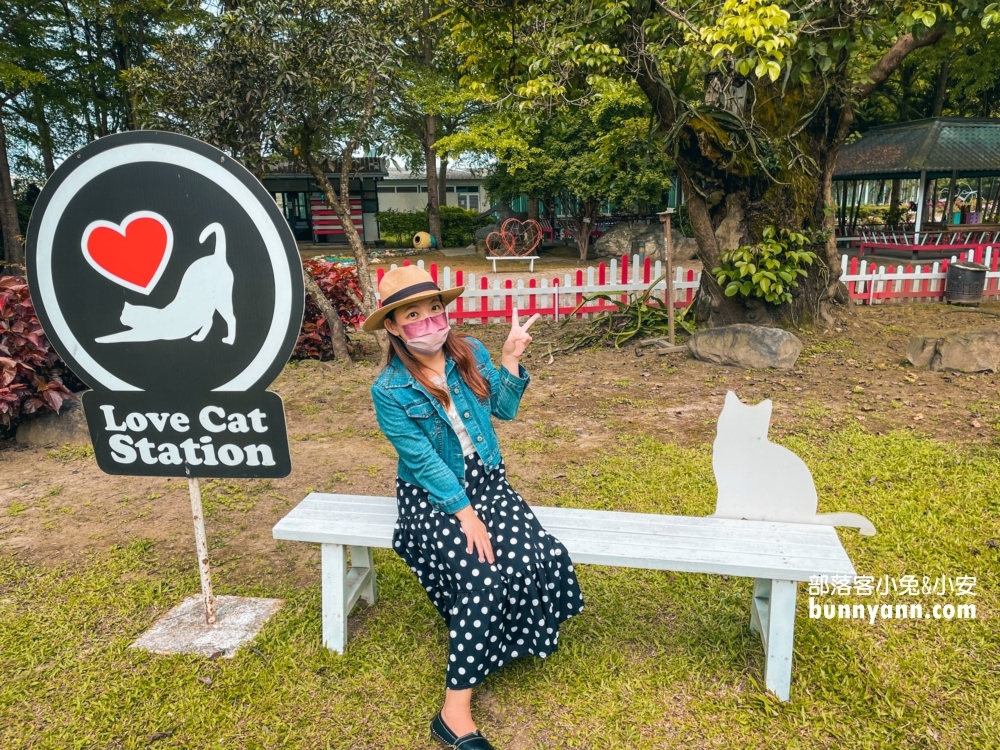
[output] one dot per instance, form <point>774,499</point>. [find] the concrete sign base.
<point>182,630</point>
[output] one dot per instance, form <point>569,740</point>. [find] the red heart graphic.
<point>134,253</point>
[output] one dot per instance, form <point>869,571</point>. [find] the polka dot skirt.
<point>496,612</point>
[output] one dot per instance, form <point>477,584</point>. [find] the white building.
<point>402,190</point>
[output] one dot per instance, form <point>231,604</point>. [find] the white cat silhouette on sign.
<point>762,481</point>
<point>206,287</point>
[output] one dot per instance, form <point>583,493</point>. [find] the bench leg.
<point>364,563</point>
<point>772,615</point>
<point>342,588</point>
<point>334,578</point>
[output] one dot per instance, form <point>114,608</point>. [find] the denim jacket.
<point>430,454</point>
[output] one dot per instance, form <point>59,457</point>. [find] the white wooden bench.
<point>777,555</point>
<point>532,258</point>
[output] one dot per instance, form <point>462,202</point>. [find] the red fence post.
<point>483,299</point>
<point>994,285</point>
<point>579,295</point>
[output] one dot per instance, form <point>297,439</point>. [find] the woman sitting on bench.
<point>433,400</point>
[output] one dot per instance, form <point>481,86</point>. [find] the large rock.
<point>972,351</point>
<point>482,232</point>
<point>625,239</point>
<point>52,430</point>
<point>744,345</point>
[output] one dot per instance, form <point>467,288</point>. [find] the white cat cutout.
<point>206,287</point>
<point>762,481</point>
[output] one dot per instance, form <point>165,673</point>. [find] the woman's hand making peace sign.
<point>518,338</point>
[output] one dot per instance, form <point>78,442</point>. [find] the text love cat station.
<point>173,443</point>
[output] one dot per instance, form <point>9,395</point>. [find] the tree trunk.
<point>582,238</point>
<point>341,205</point>
<point>44,135</point>
<point>431,176</point>
<point>942,88</point>
<point>583,225</point>
<point>338,336</point>
<point>733,198</point>
<point>13,241</point>
<point>443,183</point>
<point>894,218</point>
<point>533,207</point>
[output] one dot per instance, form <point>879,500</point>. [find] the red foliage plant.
<point>340,285</point>
<point>31,374</point>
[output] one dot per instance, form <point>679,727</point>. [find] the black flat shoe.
<point>470,741</point>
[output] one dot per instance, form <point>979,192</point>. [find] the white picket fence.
<point>870,283</point>
<point>482,299</point>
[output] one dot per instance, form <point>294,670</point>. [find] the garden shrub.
<point>32,377</point>
<point>769,269</point>
<point>337,282</point>
<point>401,225</point>
<point>458,225</point>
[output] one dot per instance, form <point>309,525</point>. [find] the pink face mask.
<point>428,335</point>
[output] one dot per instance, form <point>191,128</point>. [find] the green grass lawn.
<point>654,660</point>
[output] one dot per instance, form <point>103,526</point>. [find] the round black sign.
<point>165,275</point>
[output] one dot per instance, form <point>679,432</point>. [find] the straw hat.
<point>403,285</point>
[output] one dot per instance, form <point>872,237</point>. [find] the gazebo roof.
<point>937,146</point>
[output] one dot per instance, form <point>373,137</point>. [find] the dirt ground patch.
<point>57,505</point>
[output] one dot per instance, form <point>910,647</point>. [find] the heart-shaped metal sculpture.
<point>515,237</point>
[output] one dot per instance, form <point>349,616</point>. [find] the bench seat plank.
<point>756,549</point>
<point>347,515</point>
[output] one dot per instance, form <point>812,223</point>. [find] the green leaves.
<point>769,269</point>
<point>752,35</point>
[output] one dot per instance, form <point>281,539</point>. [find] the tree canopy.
<point>752,100</point>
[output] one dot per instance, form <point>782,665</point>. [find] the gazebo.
<point>928,151</point>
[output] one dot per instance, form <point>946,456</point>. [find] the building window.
<point>386,189</point>
<point>406,190</point>
<point>423,188</point>
<point>449,189</point>
<point>468,197</point>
